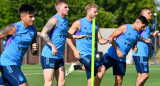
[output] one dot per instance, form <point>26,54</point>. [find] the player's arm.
<point>7,31</point>
<point>44,34</point>
<point>101,40</point>
<point>72,36</point>
<point>34,46</point>
<point>155,34</point>
<point>149,39</point>
<point>145,40</point>
<point>75,27</point>
<point>115,34</point>
<point>135,49</point>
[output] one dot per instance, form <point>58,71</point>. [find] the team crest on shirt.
<point>129,33</point>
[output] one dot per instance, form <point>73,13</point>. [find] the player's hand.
<point>149,40</point>
<point>34,46</point>
<point>54,51</point>
<point>155,33</point>
<point>77,54</point>
<point>135,49</point>
<point>34,50</point>
<point>81,36</point>
<point>119,53</point>
<point>110,40</point>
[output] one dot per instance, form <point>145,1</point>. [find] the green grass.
<point>78,78</point>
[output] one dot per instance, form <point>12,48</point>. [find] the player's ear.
<point>22,15</point>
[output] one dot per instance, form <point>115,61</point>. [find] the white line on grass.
<point>42,73</point>
<point>34,74</point>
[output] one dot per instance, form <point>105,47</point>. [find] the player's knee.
<point>62,83</point>
<point>102,69</point>
<point>48,83</point>
<point>89,82</point>
<point>24,84</point>
<point>146,76</point>
<point>119,81</point>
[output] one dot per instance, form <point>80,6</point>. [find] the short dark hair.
<point>143,20</point>
<point>144,8</point>
<point>26,8</point>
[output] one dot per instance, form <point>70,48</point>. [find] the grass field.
<point>34,76</point>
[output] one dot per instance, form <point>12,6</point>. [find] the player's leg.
<point>60,76</point>
<point>99,75</point>
<point>79,67</point>
<point>86,61</point>
<point>4,81</point>
<point>73,67</point>
<point>105,62</point>
<point>14,75</point>
<point>119,71</point>
<point>139,76</point>
<point>70,69</point>
<point>145,76</point>
<point>60,72</point>
<point>142,68</point>
<point>118,80</point>
<point>24,84</point>
<point>48,76</point>
<point>48,65</point>
<point>89,82</point>
<point>83,68</point>
<point>142,80</point>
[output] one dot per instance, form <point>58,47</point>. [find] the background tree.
<point>112,13</point>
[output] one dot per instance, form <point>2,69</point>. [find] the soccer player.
<point>19,36</point>
<point>141,56</point>
<point>83,48</point>
<point>126,35</point>
<point>54,34</point>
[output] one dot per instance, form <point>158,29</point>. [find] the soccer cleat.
<point>70,69</point>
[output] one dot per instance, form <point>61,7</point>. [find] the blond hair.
<point>89,6</point>
<point>58,2</point>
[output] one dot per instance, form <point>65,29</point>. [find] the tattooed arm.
<point>9,30</point>
<point>34,46</point>
<point>44,34</point>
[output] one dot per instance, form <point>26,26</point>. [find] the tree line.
<point>111,14</point>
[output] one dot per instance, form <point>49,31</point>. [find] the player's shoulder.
<point>77,22</point>
<point>124,26</point>
<point>55,19</point>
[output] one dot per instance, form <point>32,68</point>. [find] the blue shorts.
<point>51,63</point>
<point>141,64</point>
<point>12,76</point>
<point>119,68</point>
<point>86,61</point>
